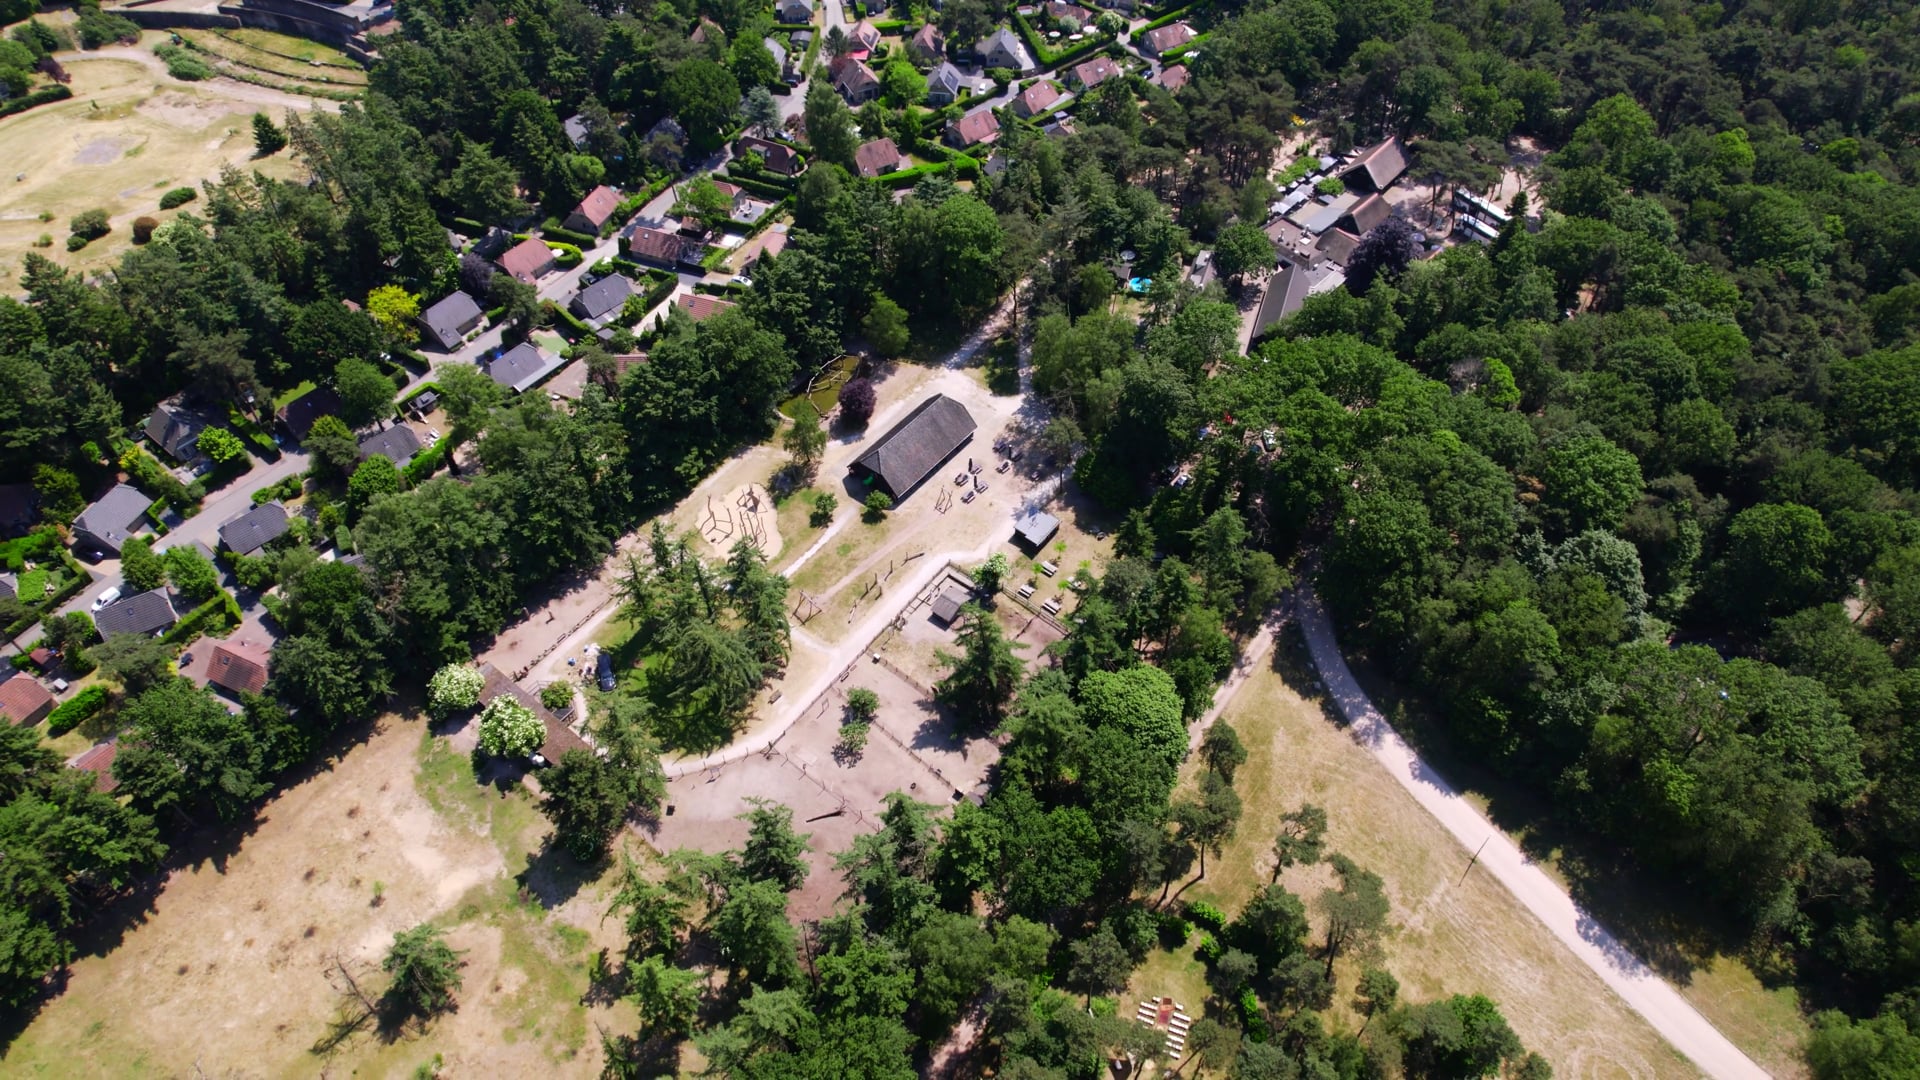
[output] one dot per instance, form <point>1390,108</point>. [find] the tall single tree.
<point>425,970</point>
<point>983,677</point>
<point>773,852</point>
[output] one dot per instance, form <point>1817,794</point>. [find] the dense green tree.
<point>182,751</point>
<point>425,971</point>
<point>773,852</point>
<point>366,394</point>
<point>981,679</point>
<point>587,803</point>
<point>140,566</point>
<point>754,935</point>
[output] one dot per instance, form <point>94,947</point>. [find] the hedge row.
<point>46,95</point>
<point>765,188</point>
<point>426,462</point>
<point>1172,16</point>
<point>552,230</point>
<point>1051,58</point>
<point>76,710</point>
<point>965,168</point>
<point>223,607</point>
<point>263,443</point>
<point>560,312</point>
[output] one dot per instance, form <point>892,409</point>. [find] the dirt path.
<point>1644,991</point>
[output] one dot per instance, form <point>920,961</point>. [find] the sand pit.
<point>746,511</point>
<point>103,151</point>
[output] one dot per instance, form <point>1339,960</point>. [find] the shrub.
<point>182,64</point>
<point>877,505</point>
<point>143,227</point>
<point>178,197</point>
<point>96,28</point>
<point>510,729</point>
<point>45,240</point>
<point>557,696</point>
<point>454,687</point>
<point>856,402</point>
<point>75,243</point>
<point>1207,915</point>
<point>824,504</point>
<point>76,710</point>
<point>1332,185</point>
<point>91,224</point>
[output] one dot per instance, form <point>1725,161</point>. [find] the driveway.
<point>1644,991</point>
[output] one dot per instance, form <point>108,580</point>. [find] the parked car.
<point>106,598</point>
<point>603,671</point>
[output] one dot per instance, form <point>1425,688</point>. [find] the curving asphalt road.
<point>1644,991</point>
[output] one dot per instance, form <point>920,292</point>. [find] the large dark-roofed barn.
<point>916,446</point>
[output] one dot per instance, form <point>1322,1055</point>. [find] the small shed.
<point>1035,530</point>
<point>946,606</point>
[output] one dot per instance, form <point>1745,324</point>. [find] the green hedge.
<point>765,188</point>
<point>263,443</point>
<point>76,710</point>
<point>1173,15</point>
<point>560,312</point>
<point>964,168</point>
<point>1050,58</point>
<point>426,462</point>
<point>196,622</point>
<point>552,230</point>
<point>891,26</point>
<point>46,95</point>
<point>662,288</point>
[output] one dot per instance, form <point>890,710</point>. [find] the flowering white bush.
<point>509,729</point>
<point>456,686</point>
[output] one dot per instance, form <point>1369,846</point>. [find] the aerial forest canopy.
<point>1627,494</point>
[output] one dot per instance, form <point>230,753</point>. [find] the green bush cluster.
<point>76,710</point>
<point>223,609</point>
<point>183,65</point>
<point>179,196</point>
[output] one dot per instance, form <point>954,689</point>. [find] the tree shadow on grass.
<point>552,876</point>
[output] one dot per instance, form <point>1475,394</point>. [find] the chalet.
<point>944,83</point>
<point>176,429</point>
<point>98,760</point>
<point>928,43</point>
<point>856,82</point>
<point>108,523</point>
<point>522,367</point>
<point>1036,100</point>
<point>1034,530</point>
<point>795,12</point>
<point>878,158</point>
<point>864,36</point>
<point>19,508</point>
<point>909,453</point>
<point>1336,246</point>
<point>1055,10</point>
<point>24,701</point>
<point>1377,167</point>
<point>700,307</point>
<point>1157,43</point>
<point>778,158</point>
<point>1365,214</point>
<point>659,247</point>
<point>1003,49</point>
<point>779,54</point>
<point>254,529</point>
<point>397,444</point>
<point>142,613</point>
<point>450,320</point>
<point>946,606</point>
<point>1172,79</point>
<point>239,667</point>
<point>1094,72</point>
<point>528,261</point>
<point>602,298</point>
<point>297,416</point>
<point>977,128</point>
<point>594,211</point>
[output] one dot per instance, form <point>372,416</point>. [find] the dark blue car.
<point>604,671</point>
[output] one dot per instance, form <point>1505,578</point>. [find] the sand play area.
<point>746,511</point>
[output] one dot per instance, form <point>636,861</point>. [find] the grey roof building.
<point>946,606</point>
<point>298,415</point>
<point>176,429</point>
<point>1286,291</point>
<point>576,130</point>
<point>252,530</point>
<point>449,321</point>
<point>397,444</point>
<point>1377,167</point>
<point>117,515</point>
<point>141,613</point>
<point>943,84</point>
<point>521,367</point>
<point>916,446</point>
<point>602,298</point>
<point>1033,530</point>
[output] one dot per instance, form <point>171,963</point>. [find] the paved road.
<point>1644,991</point>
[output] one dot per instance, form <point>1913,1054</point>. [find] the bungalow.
<point>521,367</point>
<point>777,157</point>
<point>1157,43</point>
<point>528,261</point>
<point>1035,100</point>
<point>602,298</point>
<point>1377,167</point>
<point>397,444</point>
<point>1094,72</point>
<point>1034,530</point>
<point>1056,11</point>
<point>298,415</point>
<point>928,43</point>
<point>665,128</point>
<point>176,429</point>
<point>1172,79</point>
<point>974,129</point>
<point>576,129</point>
<point>736,196</point>
<point>24,701</point>
<point>239,667</point>
<point>1003,49</point>
<point>779,54</point>
<point>1337,246</point>
<point>943,84</point>
<point>109,522</point>
<point>856,82</point>
<point>864,36</point>
<point>594,211</point>
<point>661,248</point>
<point>254,529</point>
<point>98,760</point>
<point>559,738</point>
<point>449,321</point>
<point>142,613</point>
<point>795,12</point>
<point>878,158</point>
<point>19,508</point>
<point>700,307</point>
<point>933,432</point>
